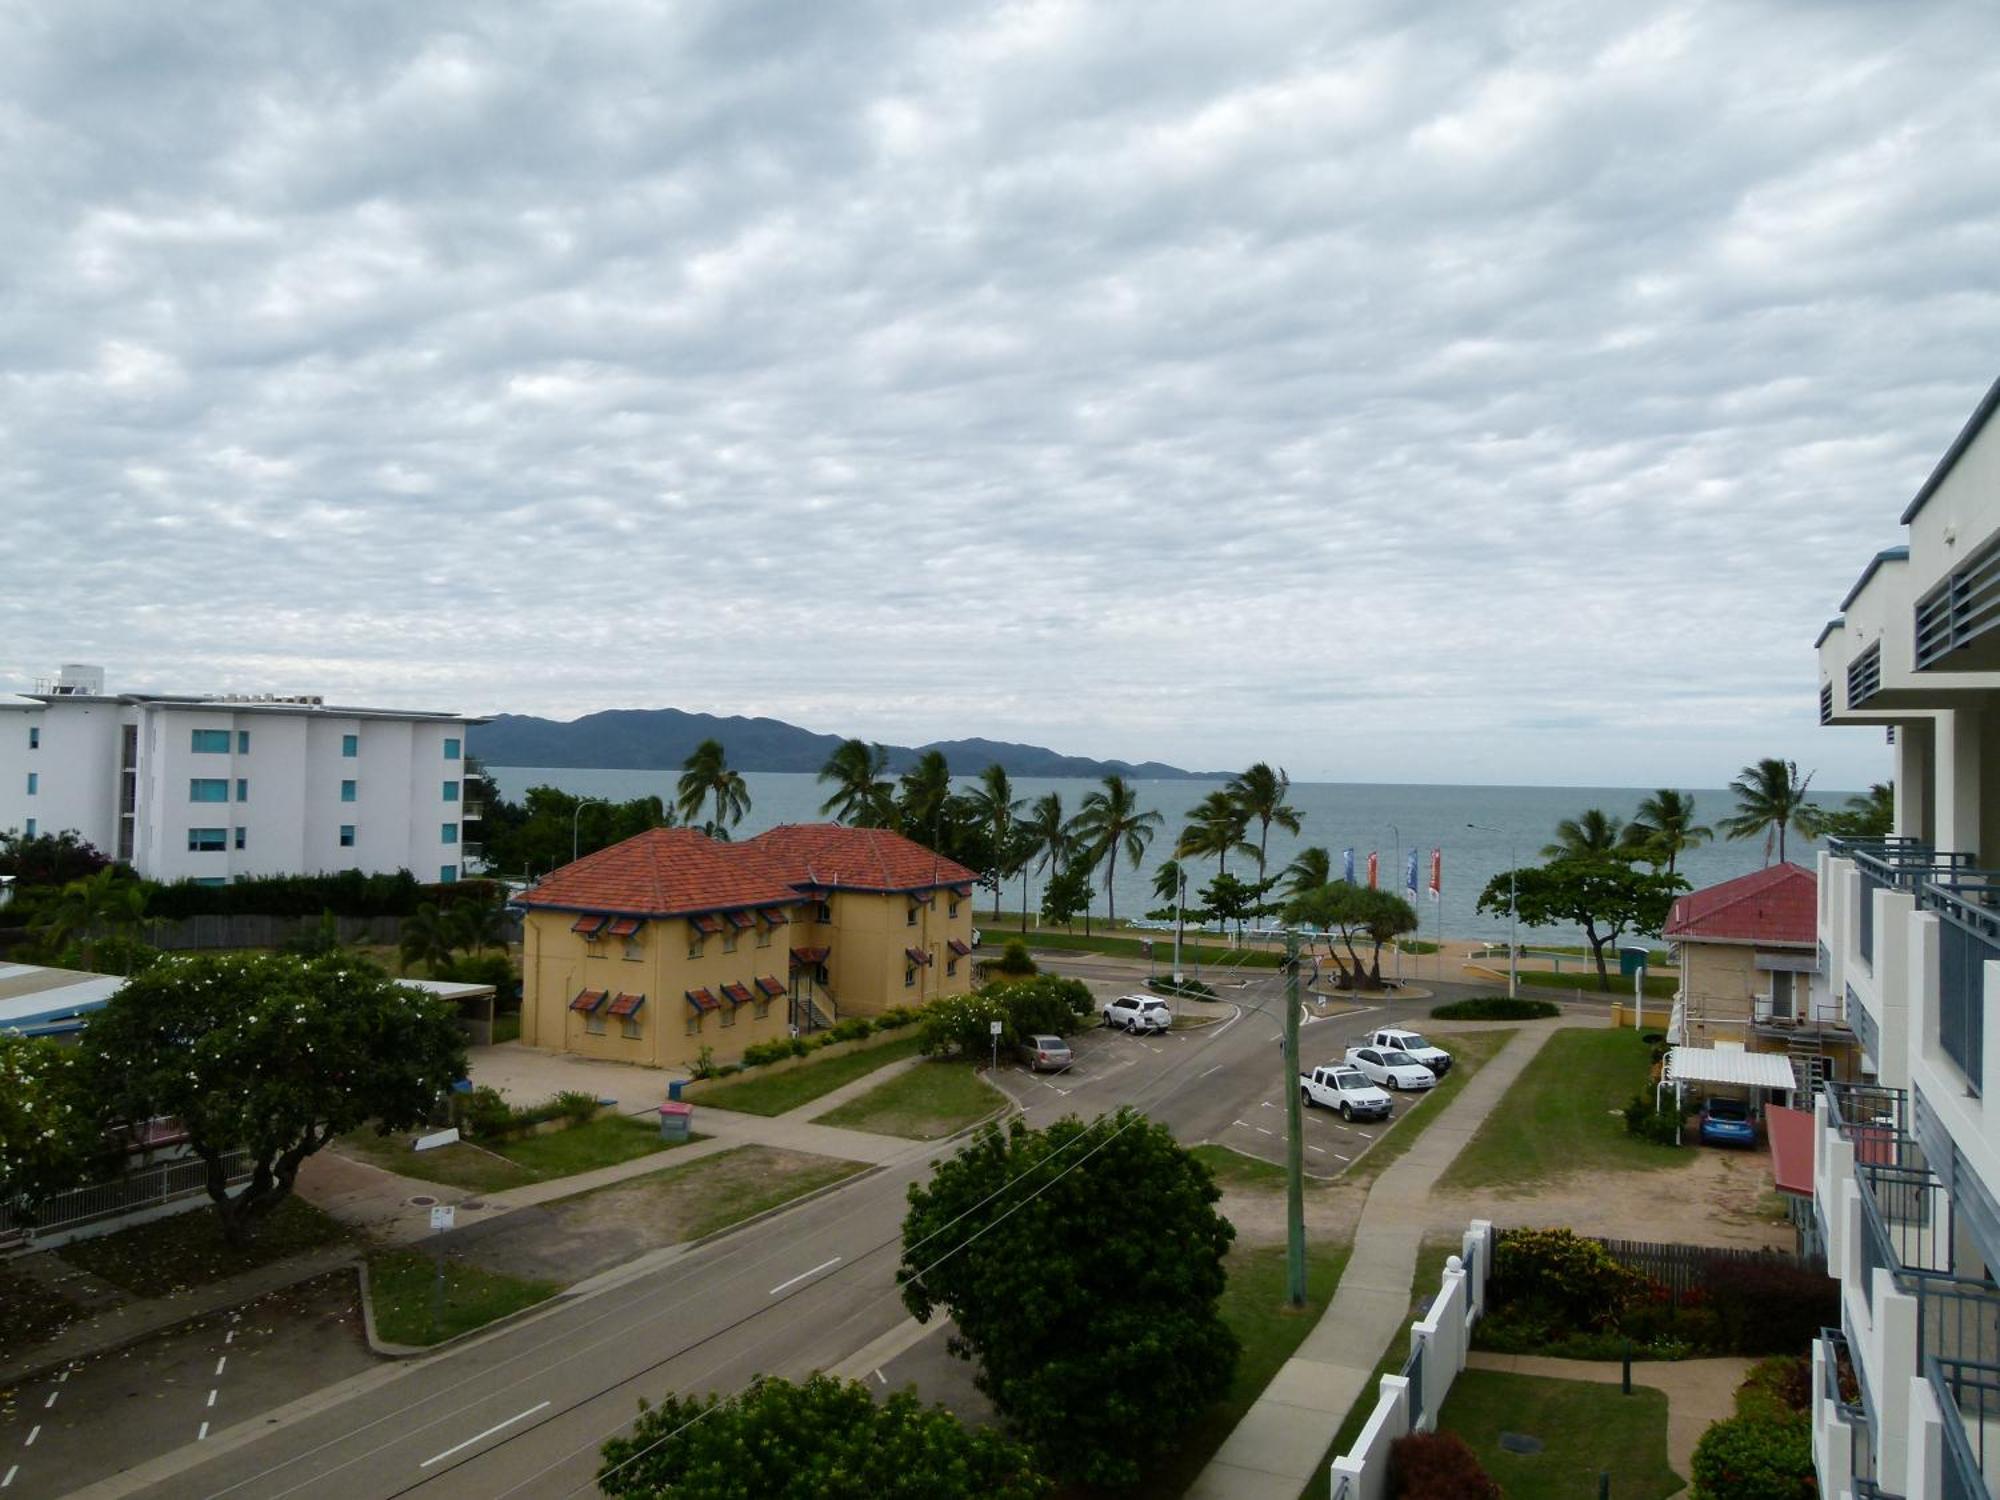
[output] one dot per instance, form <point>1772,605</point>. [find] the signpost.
<point>443,1216</point>
<point>994,1028</point>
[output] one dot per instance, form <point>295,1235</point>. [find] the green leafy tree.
<point>1870,816</point>
<point>823,1439</point>
<point>1595,835</point>
<point>863,796</point>
<point>538,833</point>
<point>962,1025</point>
<point>1771,800</point>
<point>1111,823</point>
<point>993,804</point>
<point>479,920</point>
<point>1604,897</point>
<point>1170,889</point>
<point>1027,1236</point>
<point>1664,826</point>
<point>1228,899</point>
<point>1046,842</point>
<point>51,859</point>
<point>272,1055</point>
<point>1044,1003</point>
<point>1260,793</point>
<point>1342,910</point>
<point>1385,916</point>
<point>50,1133</point>
<point>1312,869</point>
<point>1064,894</point>
<point>76,920</point>
<point>705,775</point>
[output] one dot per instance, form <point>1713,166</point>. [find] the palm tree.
<point>1869,816</point>
<point>1591,836</point>
<point>861,788</point>
<point>704,774</point>
<point>479,921</point>
<point>1170,888</point>
<point>1110,821</point>
<point>1312,869</point>
<point>922,794</point>
<point>107,904</point>
<point>1260,792</point>
<point>1665,825</point>
<point>993,804</point>
<point>1216,825</point>
<point>1771,799</point>
<point>430,937</point>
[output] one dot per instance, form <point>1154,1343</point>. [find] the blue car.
<point>1727,1122</point>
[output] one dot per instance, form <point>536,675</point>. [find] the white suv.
<point>1136,1013</point>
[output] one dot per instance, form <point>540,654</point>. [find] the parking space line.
<point>12,1470</point>
<point>1262,1131</point>
<point>1320,1149</point>
<point>202,1436</point>
<point>211,1396</point>
<point>1244,1123</point>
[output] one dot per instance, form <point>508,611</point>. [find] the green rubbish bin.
<point>1631,961</point>
<point>675,1120</point>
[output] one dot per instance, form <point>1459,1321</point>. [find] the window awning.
<point>917,955</point>
<point>774,916</point>
<point>959,946</point>
<point>707,922</point>
<point>589,924</point>
<point>588,1000</point>
<point>962,890</point>
<point>623,927</point>
<point>737,994</point>
<point>1787,963</point>
<point>703,1000</point>
<point>1729,1065</point>
<point>923,898</point>
<point>805,958</point>
<point>741,919</point>
<point>814,892</point>
<point>771,985</point>
<point>626,1005</point>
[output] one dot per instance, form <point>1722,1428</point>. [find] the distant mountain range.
<point>658,739</point>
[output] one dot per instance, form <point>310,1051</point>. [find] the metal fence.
<point>1413,1371</point>
<point>1968,936</point>
<point>1686,1268</point>
<point>138,1190</point>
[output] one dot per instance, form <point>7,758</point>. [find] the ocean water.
<point>1513,823</point>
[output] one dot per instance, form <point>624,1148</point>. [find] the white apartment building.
<point>216,788</point>
<point>1907,1168</point>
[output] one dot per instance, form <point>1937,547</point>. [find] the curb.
<point>387,1350</point>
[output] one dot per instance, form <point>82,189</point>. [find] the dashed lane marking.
<point>220,1362</point>
<point>51,1401</point>
<point>478,1437</point>
<point>12,1470</point>
<point>202,1436</point>
<point>1320,1149</point>
<point>803,1275</point>
<point>211,1398</point>
<point>33,1433</point>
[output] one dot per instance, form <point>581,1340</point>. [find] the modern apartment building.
<point>1907,1166</point>
<point>217,787</point>
<point>671,942</point>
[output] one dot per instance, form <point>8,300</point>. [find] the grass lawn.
<point>1658,985</point>
<point>685,1203</point>
<point>402,1286</point>
<point>477,1168</point>
<point>1193,955</point>
<point>1234,1169</point>
<point>1470,1050</point>
<point>761,1093</point>
<point>1270,1329</point>
<point>1561,1117</point>
<point>933,1099</point>
<point>187,1250</point>
<point>507,1027</point>
<point>1431,1257</point>
<point>1584,1429</point>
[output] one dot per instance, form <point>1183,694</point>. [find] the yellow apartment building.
<point>649,950</point>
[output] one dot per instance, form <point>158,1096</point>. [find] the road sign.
<point>993,1027</point>
<point>443,1215</point>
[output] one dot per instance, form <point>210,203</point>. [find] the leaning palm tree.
<point>993,805</point>
<point>1665,825</point>
<point>1312,869</point>
<point>1771,800</point>
<point>704,774</point>
<point>1216,825</point>
<point>1591,836</point>
<point>1112,821</point>
<point>922,794</point>
<point>1260,792</point>
<point>862,793</point>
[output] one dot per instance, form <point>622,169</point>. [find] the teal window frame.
<point>208,789</point>
<point>447,874</point>
<point>211,880</point>
<point>347,835</point>
<point>208,742</point>
<point>34,782</point>
<point>34,736</point>
<point>447,833</point>
<point>349,791</point>
<point>208,840</point>
<point>31,828</point>
<point>350,746</point>
<point>243,789</point>
<point>242,742</point>
<point>241,834</point>
<point>451,791</point>
<point>451,749</point>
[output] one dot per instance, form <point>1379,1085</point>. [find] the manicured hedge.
<point>1495,1008</point>
<point>1438,1466</point>
<point>1755,1458</point>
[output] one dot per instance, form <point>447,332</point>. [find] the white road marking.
<point>1269,1105</point>
<point>1244,1123</point>
<point>63,1379</point>
<point>229,1337</point>
<point>1338,1157</point>
<point>1216,1069</point>
<point>1320,1149</point>
<point>51,1401</point>
<point>1262,1131</point>
<point>881,1377</point>
<point>220,1362</point>
<point>802,1276</point>
<point>12,1470</point>
<point>211,1398</point>
<point>481,1437</point>
<point>33,1433</point>
<point>202,1436</point>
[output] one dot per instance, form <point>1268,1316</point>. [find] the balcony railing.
<point>1972,1390</point>
<point>1864,675</point>
<point>1962,608</point>
<point>1969,935</point>
<point>1900,863</point>
<point>1851,1410</point>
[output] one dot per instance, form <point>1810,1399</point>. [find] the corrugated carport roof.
<point>1760,1070</point>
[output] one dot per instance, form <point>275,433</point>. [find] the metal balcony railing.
<point>1899,862</point>
<point>1968,904</point>
<point>1961,609</point>
<point>1972,1391</point>
<point>1851,1410</point>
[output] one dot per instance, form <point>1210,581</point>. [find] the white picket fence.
<point>1409,1402</point>
<point>144,1193</point>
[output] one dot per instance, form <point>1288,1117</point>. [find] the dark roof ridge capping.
<point>1980,416</point>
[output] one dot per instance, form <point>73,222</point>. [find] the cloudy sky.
<point>1400,391</point>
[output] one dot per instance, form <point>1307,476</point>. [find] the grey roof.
<point>252,705</point>
<point>1836,623</point>
<point>1887,554</point>
<point>1959,444</point>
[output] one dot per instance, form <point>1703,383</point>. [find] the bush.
<point>1660,1126</point>
<point>1770,1306</point>
<point>481,1114</point>
<point>495,969</point>
<point>1776,1387</point>
<point>1755,1458</point>
<point>1437,1466</point>
<point>578,1104</point>
<point>1013,959</point>
<point>895,1016</point>
<point>962,1024</point>
<point>1573,1281</point>
<point>1495,1008</point>
<point>703,1065</point>
<point>1045,1003</point>
<point>852,1029</point>
<point>757,1054</point>
<point>1191,989</point>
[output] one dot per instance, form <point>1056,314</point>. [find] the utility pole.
<point>1295,1187</point>
<point>1180,916</point>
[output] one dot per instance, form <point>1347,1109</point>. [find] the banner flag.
<point>1437,874</point>
<point>1410,874</point>
<point>1347,865</point>
<point>1373,871</point>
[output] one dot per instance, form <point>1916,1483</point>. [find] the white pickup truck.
<point>1136,1013</point>
<point>1391,1068</point>
<point>1337,1086</point>
<point>1396,1039</point>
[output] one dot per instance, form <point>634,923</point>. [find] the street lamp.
<point>576,816</point>
<point>1513,948</point>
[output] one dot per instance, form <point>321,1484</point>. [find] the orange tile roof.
<point>1775,905</point>
<point>676,871</point>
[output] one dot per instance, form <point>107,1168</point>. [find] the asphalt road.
<point>524,1411</point>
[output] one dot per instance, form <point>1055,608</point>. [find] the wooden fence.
<point>1685,1268</point>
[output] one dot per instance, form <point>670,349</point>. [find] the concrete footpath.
<point>1279,1446</point>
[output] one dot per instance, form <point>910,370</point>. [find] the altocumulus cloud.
<point>1446,390</point>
